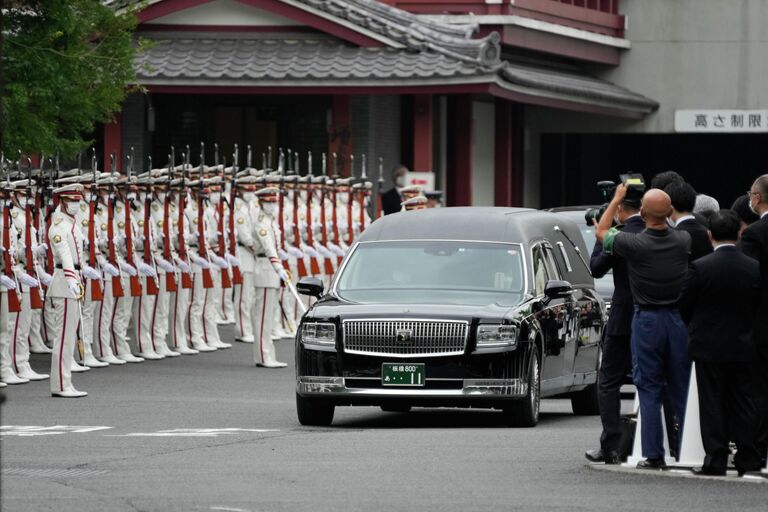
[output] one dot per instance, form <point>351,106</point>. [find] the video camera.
<point>635,189</point>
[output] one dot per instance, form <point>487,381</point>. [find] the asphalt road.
<point>212,432</point>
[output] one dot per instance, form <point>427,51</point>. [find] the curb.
<point>673,472</point>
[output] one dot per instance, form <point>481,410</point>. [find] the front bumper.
<point>332,387</point>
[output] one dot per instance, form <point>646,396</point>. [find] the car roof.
<point>490,224</point>
<point>569,209</point>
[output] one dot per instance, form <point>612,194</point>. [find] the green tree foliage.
<point>66,65</point>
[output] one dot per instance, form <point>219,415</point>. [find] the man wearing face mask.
<point>213,296</point>
<point>616,360</point>
<point>391,199</point>
<point>246,252</point>
<point>754,243</point>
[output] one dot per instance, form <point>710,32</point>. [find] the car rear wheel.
<point>314,411</point>
<point>525,412</point>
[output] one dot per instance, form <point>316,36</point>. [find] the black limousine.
<point>454,307</point>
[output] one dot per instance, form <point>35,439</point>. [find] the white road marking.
<point>196,432</point>
<point>229,509</point>
<point>34,430</point>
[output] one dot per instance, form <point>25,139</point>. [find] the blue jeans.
<point>659,357</point>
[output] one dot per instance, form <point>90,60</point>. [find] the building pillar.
<point>508,155</point>
<point>459,150</point>
<point>422,133</point>
<point>340,134</point>
<point>113,142</point>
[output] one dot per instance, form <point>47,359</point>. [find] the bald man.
<point>657,262</point>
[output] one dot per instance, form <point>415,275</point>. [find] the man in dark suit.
<point>391,199</point>
<point>719,304</point>
<point>683,198</point>
<point>754,243</point>
<point>617,356</point>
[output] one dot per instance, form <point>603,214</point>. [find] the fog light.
<point>320,384</point>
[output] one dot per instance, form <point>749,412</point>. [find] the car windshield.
<point>434,272</point>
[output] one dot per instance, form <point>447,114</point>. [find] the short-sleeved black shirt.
<point>657,261</point>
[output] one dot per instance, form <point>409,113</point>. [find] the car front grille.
<point>405,338</point>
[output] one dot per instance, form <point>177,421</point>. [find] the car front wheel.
<point>314,411</point>
<point>525,412</point>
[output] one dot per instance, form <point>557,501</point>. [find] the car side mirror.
<point>311,286</point>
<point>557,289</point>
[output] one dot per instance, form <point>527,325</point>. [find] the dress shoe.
<point>272,364</point>
<point>3,385</point>
<point>245,339</point>
<point>705,471</point>
<point>281,334</point>
<point>150,356</point>
<point>204,348</point>
<point>130,358</point>
<point>39,349</point>
<point>69,393</point>
<point>598,455</point>
<point>224,321</point>
<point>92,362</point>
<point>165,351</point>
<point>186,351</point>
<point>221,344</point>
<point>653,464</point>
<point>26,372</point>
<point>110,359</point>
<point>76,368</point>
<point>9,377</point>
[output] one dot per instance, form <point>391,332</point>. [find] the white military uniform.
<point>267,286</point>
<point>214,296</point>
<point>244,293</point>
<point>179,302</point>
<point>7,372</point>
<point>160,325</point>
<point>66,243</point>
<point>197,325</point>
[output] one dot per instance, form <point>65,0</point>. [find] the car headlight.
<point>496,336</point>
<point>319,334</point>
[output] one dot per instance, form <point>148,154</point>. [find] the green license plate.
<point>397,374</point>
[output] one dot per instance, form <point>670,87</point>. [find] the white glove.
<point>45,277</point>
<point>343,226</point>
<point>183,266</point>
<point>283,275</point>
<point>146,270</point>
<point>110,269</point>
<point>310,251</point>
<point>41,249</point>
<point>324,251</point>
<point>293,251</point>
<point>118,239</point>
<point>201,262</point>
<point>28,280</point>
<point>233,260</point>
<point>127,268</point>
<point>335,249</point>
<point>218,260</point>
<point>91,273</point>
<point>189,238</point>
<point>74,287</point>
<point>7,282</point>
<point>164,264</point>
<point>283,255</point>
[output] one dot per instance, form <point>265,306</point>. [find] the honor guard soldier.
<point>66,289</point>
<point>246,254</point>
<point>414,203</point>
<point>410,193</point>
<point>219,265</point>
<point>267,278</point>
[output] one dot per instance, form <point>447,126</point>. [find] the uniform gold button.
<point>56,239</point>
<point>121,224</point>
<point>241,220</point>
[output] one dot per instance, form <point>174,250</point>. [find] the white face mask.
<point>269,208</point>
<point>400,181</point>
<point>72,208</point>
<point>343,198</point>
<point>304,196</point>
<point>161,196</point>
<point>248,196</point>
<point>215,197</point>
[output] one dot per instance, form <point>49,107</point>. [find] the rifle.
<point>350,200</point>
<point>324,233</point>
<point>117,284</point>
<point>135,282</point>
<point>170,277</point>
<point>314,266</point>
<point>225,280</point>
<point>53,203</point>
<point>302,268</point>
<point>201,250</point>
<point>281,206</point>
<point>335,218</point>
<point>362,194</point>
<point>97,294</point>
<point>186,278</point>
<point>379,211</point>
<point>237,277</point>
<point>14,304</point>
<point>152,285</point>
<point>35,300</point>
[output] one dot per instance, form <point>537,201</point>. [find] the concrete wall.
<point>482,153</point>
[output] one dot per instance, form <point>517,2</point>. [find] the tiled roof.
<point>281,61</point>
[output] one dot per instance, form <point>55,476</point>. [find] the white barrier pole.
<point>691,448</point>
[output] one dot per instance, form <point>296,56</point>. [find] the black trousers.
<point>615,365</point>
<point>727,412</point>
<point>760,374</point>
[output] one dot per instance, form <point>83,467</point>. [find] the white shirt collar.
<point>724,244</point>
<point>684,218</point>
<point>764,214</point>
<point>632,216</point>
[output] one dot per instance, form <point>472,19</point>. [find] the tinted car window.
<point>435,272</point>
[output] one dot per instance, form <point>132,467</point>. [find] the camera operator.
<point>657,261</point>
<point>616,359</point>
<point>683,198</point>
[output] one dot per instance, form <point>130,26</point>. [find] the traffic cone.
<point>637,447</point>
<point>692,448</point>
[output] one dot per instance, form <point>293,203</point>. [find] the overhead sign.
<point>721,121</point>
<point>425,180</point>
